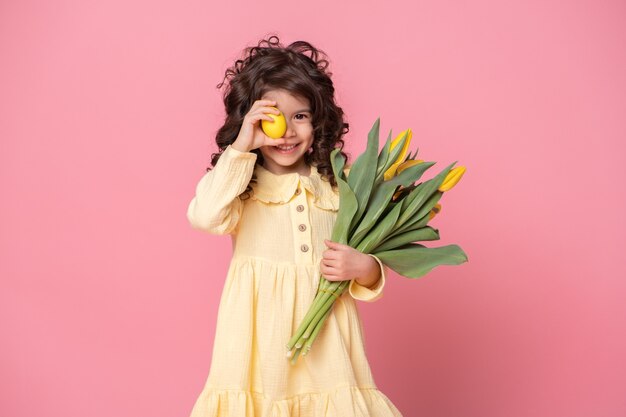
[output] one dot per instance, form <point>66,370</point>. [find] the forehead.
<point>286,99</point>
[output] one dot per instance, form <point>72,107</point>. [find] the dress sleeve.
<point>216,207</point>
<point>366,294</point>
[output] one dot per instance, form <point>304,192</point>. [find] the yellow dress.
<point>278,238</point>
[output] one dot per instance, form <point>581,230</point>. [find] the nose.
<point>289,132</point>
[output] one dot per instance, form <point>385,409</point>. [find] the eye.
<point>301,114</point>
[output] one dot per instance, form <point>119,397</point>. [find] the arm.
<point>370,276</point>
<point>216,207</point>
<point>370,287</point>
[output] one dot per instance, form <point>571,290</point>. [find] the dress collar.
<point>280,188</point>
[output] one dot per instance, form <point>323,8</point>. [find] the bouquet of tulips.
<point>383,212</point>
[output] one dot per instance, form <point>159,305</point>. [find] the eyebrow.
<point>303,111</point>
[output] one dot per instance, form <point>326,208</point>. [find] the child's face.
<point>299,132</point>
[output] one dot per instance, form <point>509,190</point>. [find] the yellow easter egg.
<point>277,128</point>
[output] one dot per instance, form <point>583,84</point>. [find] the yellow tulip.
<point>408,163</point>
<point>433,211</point>
<point>452,178</point>
<point>392,169</point>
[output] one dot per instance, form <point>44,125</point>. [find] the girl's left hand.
<point>342,262</point>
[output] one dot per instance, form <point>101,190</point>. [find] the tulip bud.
<point>392,169</point>
<point>408,163</point>
<point>434,211</point>
<point>452,178</point>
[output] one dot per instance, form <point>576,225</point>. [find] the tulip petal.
<point>452,178</point>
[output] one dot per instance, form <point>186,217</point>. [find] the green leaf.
<point>421,234</point>
<point>338,163</point>
<point>419,211</point>
<point>382,159</point>
<point>381,197</point>
<point>428,205</point>
<point>413,155</point>
<point>361,176</point>
<point>422,193</point>
<point>347,200</point>
<point>389,207</point>
<point>415,260</point>
<point>412,225</point>
<point>380,231</point>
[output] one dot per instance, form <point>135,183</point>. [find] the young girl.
<point>278,200</point>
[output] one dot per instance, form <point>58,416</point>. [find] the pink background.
<point>108,112</point>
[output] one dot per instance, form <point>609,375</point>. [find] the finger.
<point>258,116</point>
<point>331,263</point>
<point>330,277</point>
<point>261,115</point>
<point>266,117</point>
<point>331,269</point>
<point>330,254</point>
<point>333,245</point>
<point>261,106</point>
<point>268,109</point>
<point>265,111</point>
<point>326,268</point>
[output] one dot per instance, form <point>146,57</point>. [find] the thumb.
<point>331,244</point>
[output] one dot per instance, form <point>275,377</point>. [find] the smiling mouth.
<point>286,148</point>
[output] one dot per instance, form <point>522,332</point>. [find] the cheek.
<point>263,150</point>
<point>308,133</point>
<point>305,129</point>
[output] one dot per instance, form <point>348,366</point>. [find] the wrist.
<point>237,146</point>
<point>370,276</point>
<point>367,282</point>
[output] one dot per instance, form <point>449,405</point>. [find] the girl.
<point>278,200</point>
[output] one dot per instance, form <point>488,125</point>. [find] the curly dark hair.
<point>270,66</point>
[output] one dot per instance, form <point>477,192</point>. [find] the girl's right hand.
<point>251,135</point>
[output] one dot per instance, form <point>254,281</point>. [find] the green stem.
<point>336,287</point>
<point>304,344</point>
<point>309,342</point>
<point>295,357</point>
<point>323,300</point>
<point>317,301</point>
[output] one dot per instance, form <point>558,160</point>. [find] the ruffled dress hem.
<point>348,401</point>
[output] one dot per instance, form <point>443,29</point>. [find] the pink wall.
<point>108,110</point>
